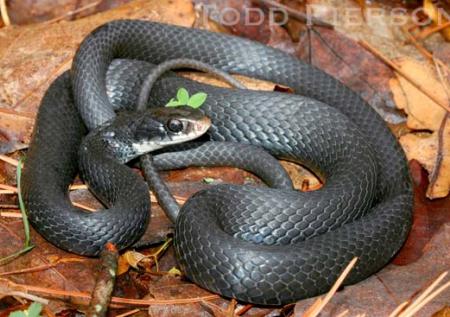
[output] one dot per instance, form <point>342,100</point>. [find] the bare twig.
<point>419,46</point>
<point>30,297</point>
<point>440,156</point>
<point>42,267</point>
<point>428,31</point>
<point>344,313</point>
<point>426,53</point>
<point>399,309</point>
<point>425,297</point>
<point>244,309</point>
<point>4,13</point>
<point>11,214</point>
<point>428,299</point>
<point>411,79</point>
<point>320,303</point>
<point>8,187</point>
<point>114,300</point>
<point>83,206</point>
<point>8,159</point>
<point>6,192</point>
<point>129,313</point>
<point>76,11</point>
<point>295,14</point>
<point>104,285</point>
<point>231,308</point>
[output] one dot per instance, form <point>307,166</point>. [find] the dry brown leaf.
<point>425,115</point>
<point>32,56</point>
<point>129,258</point>
<point>444,312</point>
<point>437,16</point>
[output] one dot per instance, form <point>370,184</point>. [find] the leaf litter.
<point>23,80</point>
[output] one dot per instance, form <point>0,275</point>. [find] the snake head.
<point>132,134</point>
<point>161,127</point>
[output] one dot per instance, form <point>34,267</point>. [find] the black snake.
<point>257,244</point>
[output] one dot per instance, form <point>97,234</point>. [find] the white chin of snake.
<point>145,147</point>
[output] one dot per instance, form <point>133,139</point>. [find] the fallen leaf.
<point>429,143</point>
<point>133,258</point>
<point>428,218</point>
<point>25,49</point>
<point>438,15</point>
<point>381,293</point>
<point>31,11</point>
<point>444,312</point>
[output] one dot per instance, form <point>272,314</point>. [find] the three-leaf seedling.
<point>183,99</point>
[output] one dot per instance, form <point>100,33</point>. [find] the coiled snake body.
<point>257,244</point>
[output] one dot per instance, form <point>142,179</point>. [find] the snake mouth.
<point>193,128</point>
<point>203,125</point>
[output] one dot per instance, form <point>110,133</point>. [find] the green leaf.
<point>183,96</point>
<point>18,313</point>
<point>197,100</point>
<point>34,310</point>
<point>26,226</point>
<point>173,103</point>
<point>208,180</point>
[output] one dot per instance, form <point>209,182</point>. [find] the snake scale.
<point>264,245</point>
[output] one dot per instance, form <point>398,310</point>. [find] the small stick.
<point>399,308</point>
<point>8,187</point>
<point>441,134</point>
<point>83,207</point>
<point>8,159</point>
<point>68,14</point>
<point>115,300</point>
<point>231,308</point>
<point>9,206</point>
<point>427,32</point>
<point>7,192</point>
<point>244,309</point>
<point>403,74</point>
<point>7,214</point>
<point>419,46</point>
<point>426,53</point>
<point>317,308</point>
<point>344,313</point>
<point>295,14</point>
<point>30,297</point>
<point>4,13</point>
<point>425,293</point>
<point>78,186</point>
<point>104,285</point>
<point>314,307</point>
<point>128,313</point>
<point>41,267</point>
<point>419,306</point>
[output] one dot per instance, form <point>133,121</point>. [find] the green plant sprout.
<point>26,226</point>
<point>33,311</point>
<point>183,99</point>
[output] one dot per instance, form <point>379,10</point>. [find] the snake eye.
<point>175,125</point>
